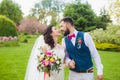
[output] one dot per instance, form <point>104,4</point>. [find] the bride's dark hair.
<point>47,36</point>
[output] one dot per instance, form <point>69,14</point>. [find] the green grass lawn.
<point>13,62</point>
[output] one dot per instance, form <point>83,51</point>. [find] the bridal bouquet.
<point>48,62</point>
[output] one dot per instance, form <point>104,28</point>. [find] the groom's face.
<point>64,28</point>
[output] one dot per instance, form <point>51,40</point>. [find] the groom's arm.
<point>94,53</point>
<point>70,63</point>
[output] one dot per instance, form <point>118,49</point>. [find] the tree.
<point>103,19</point>
<point>47,11</point>
<point>114,10</point>
<point>7,27</point>
<point>31,25</point>
<point>11,10</point>
<point>82,14</point>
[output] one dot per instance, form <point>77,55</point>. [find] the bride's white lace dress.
<point>32,73</point>
<point>59,51</point>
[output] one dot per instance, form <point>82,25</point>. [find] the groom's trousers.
<point>80,76</point>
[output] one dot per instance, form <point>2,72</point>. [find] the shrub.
<point>28,36</point>
<point>8,41</point>
<point>25,33</point>
<point>108,39</point>
<point>31,25</point>
<point>107,46</point>
<point>25,41</point>
<point>23,38</point>
<point>7,27</point>
<point>110,35</point>
<point>9,44</point>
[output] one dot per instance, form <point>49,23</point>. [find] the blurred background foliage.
<point>104,30</point>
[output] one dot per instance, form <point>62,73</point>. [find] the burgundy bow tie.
<point>71,36</point>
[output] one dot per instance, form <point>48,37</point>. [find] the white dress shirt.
<point>93,51</point>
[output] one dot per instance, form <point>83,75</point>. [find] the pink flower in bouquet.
<point>45,62</point>
<point>48,62</point>
<point>48,54</point>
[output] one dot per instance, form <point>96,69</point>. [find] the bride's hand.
<point>64,65</point>
<point>71,64</point>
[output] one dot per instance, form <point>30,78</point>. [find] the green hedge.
<point>110,35</point>
<point>107,46</point>
<point>7,27</point>
<point>9,43</point>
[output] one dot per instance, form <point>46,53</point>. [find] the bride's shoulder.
<point>59,46</point>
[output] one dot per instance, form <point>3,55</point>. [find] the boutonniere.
<point>79,42</point>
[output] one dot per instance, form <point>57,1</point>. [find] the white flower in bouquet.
<point>57,62</point>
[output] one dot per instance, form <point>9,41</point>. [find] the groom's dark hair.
<point>67,19</point>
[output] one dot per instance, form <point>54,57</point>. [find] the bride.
<point>49,42</point>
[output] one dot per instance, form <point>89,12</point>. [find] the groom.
<point>80,50</point>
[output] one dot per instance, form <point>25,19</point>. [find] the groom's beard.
<point>66,32</point>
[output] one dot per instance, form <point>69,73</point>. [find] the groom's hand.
<point>100,77</point>
<point>71,64</point>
